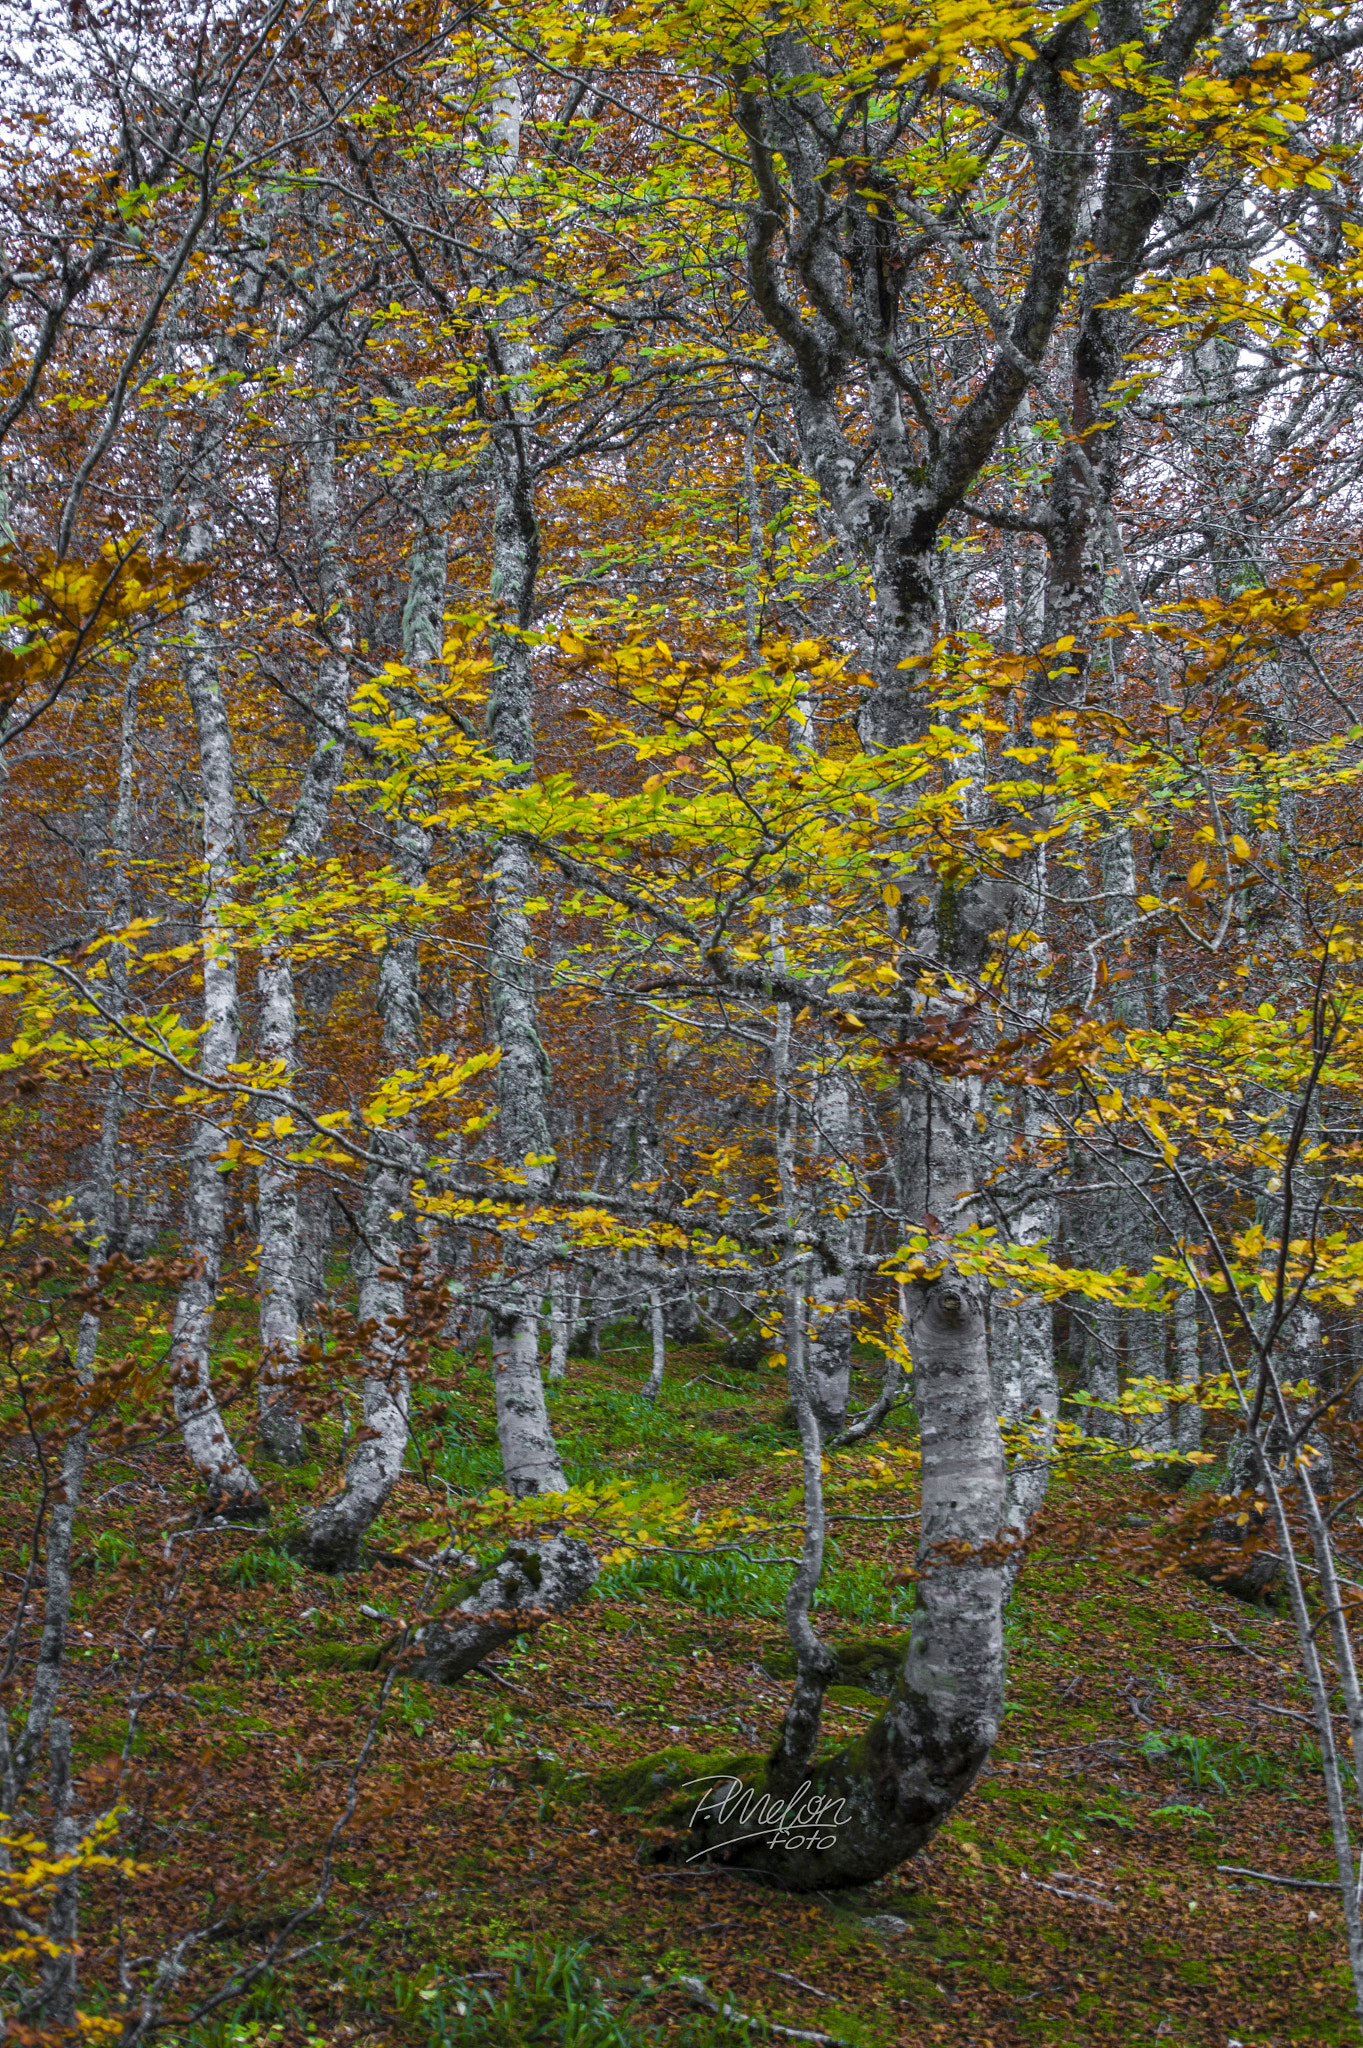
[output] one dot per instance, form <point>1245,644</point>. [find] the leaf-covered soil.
<point>1155,1730</point>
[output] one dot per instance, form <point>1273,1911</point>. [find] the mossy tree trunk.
<point>862,1811</point>
<point>527,1586</point>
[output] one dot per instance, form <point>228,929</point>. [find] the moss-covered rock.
<point>668,1783</point>
<point>347,1656</point>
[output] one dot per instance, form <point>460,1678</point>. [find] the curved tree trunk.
<point>533,1582</point>
<point>878,1801</point>
<point>331,1541</point>
<point>856,1815</point>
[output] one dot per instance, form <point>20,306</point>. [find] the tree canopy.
<point>688,667</point>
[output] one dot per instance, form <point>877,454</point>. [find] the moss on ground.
<point>518,1806</point>
<point>870,1663</point>
<point>652,1783</point>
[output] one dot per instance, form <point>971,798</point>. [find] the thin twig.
<point>1084,1898</point>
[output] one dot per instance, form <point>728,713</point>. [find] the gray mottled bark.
<point>858,1814</point>
<point>1022,1344</point>
<point>1139,175</point>
<point>230,1484</point>
<point>814,1662</point>
<point>60,1971</point>
<point>830,1332</point>
<point>1188,1414</point>
<point>281,1252</point>
<point>17,1760</point>
<point>653,1385</point>
<point>822,292</point>
<point>530,1458</point>
<point>334,1532</point>
<point>332,1538</point>
<point>531,1584</point>
<point>561,1319</point>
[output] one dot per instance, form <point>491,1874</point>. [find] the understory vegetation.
<point>495,1884</point>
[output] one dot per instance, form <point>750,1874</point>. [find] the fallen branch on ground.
<point>1300,1884</point>
<point>694,1987</point>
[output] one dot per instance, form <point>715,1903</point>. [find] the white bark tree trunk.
<point>560,1329</point>
<point>231,1487</point>
<point>653,1385</point>
<point>1022,1343</point>
<point>17,1761</point>
<point>527,1586</point>
<point>1188,1415</point>
<point>885,1796</point>
<point>332,1539</point>
<point>281,1253</point>
<point>829,1344</point>
<point>530,1457</point>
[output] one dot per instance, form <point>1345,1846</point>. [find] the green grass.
<point>266,1563</point>
<point>549,1998</point>
<point>732,1586</point>
<point>1224,1765</point>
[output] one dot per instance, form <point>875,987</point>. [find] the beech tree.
<point>655,613</point>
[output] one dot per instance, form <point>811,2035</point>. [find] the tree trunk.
<point>815,1664</point>
<point>17,1763</point>
<point>531,1584</point>
<point>60,1971</point>
<point>231,1487</point>
<point>530,1458</point>
<point>653,1385</point>
<point>332,1539</point>
<point>1188,1414</point>
<point>829,1343</point>
<point>862,1812</point>
<point>560,1324</point>
<point>282,1255</point>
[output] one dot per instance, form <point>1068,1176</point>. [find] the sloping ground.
<point>1155,1730</point>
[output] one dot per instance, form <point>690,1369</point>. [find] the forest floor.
<point>486,1891</point>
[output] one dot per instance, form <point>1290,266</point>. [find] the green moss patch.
<point>652,1783</point>
<point>868,1664</point>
